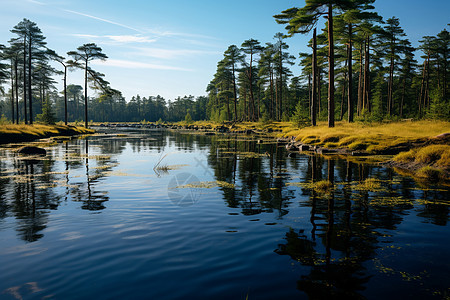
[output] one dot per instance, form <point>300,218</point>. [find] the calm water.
<point>223,218</point>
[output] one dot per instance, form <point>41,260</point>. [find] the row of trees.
<point>26,64</point>
<point>30,74</point>
<point>370,64</point>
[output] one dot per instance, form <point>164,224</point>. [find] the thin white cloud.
<point>170,53</point>
<point>36,2</point>
<point>120,39</point>
<point>136,65</point>
<point>130,38</point>
<point>88,36</point>
<point>103,20</point>
<point>166,33</point>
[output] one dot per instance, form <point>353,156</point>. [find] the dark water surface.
<point>223,218</point>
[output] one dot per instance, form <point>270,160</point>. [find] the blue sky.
<point>171,47</point>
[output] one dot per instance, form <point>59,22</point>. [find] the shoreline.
<point>12,134</point>
<point>345,140</point>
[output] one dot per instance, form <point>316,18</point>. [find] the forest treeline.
<point>360,67</point>
<point>27,67</point>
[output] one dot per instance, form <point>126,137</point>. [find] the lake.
<point>150,214</point>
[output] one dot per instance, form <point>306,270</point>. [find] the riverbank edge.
<point>10,134</point>
<point>370,146</point>
<point>384,151</point>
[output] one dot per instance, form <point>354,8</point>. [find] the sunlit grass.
<point>16,133</point>
<point>371,137</point>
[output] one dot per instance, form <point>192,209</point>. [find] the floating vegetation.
<point>390,201</point>
<point>323,186</point>
<point>104,167</point>
<point>47,186</point>
<point>207,185</point>
<point>404,275</point>
<point>96,157</point>
<point>247,154</point>
<point>432,202</point>
<point>370,184</point>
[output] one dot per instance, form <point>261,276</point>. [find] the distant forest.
<point>374,75</point>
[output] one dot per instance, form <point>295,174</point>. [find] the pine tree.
<point>81,58</point>
<point>281,57</point>
<point>233,57</point>
<point>33,49</point>
<point>66,65</point>
<point>393,34</point>
<point>347,24</point>
<point>303,20</point>
<point>253,48</point>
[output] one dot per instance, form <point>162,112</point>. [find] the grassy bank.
<point>25,133</point>
<point>420,152</point>
<point>373,138</point>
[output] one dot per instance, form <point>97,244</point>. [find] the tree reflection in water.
<point>335,245</point>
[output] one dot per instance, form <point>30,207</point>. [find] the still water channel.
<point>221,217</point>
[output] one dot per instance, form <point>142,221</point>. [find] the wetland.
<point>158,214</point>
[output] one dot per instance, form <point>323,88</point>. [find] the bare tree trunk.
<point>65,95</point>
<point>16,79</point>
<point>30,96</point>
<point>86,122</point>
<point>12,93</point>
<point>314,81</point>
<point>350,77</point>
<point>445,78</point>
<point>330,67</point>
<point>272,104</point>
<point>252,99</point>
<point>319,90</point>
<point>341,116</point>
<point>391,82</point>
<point>228,109</point>
<point>25,79</point>
<point>277,101</point>
<point>235,94</point>
<point>403,97</point>
<point>422,90</point>
<point>360,80</point>
<point>367,76</point>
<point>427,84</point>
<point>309,93</point>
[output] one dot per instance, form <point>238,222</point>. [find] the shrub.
<point>188,118</point>
<point>47,116</point>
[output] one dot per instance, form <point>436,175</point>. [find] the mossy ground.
<point>11,133</point>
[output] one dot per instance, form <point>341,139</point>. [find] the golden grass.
<point>371,137</point>
<point>429,173</point>
<point>439,154</point>
<point>436,155</point>
<point>407,156</point>
<point>19,133</point>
